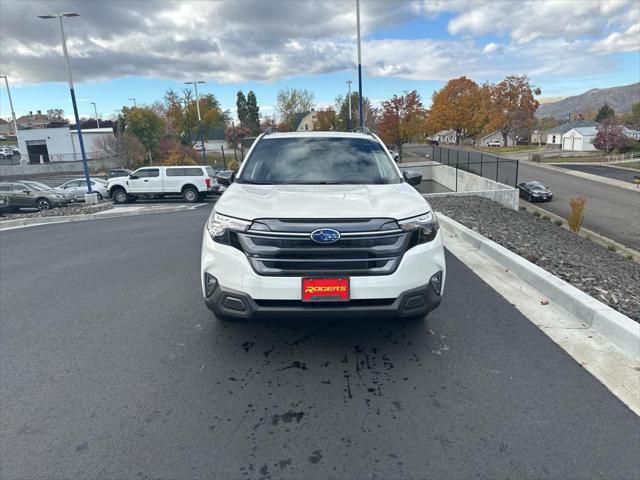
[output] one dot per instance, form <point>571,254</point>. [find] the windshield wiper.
<point>254,182</point>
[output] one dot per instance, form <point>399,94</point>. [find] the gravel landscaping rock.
<point>605,275</point>
<point>75,209</point>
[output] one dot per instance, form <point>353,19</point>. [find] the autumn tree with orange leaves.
<point>402,120</point>
<point>325,120</point>
<point>456,106</point>
<point>512,106</point>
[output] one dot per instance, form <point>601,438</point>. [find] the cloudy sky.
<point>121,49</point>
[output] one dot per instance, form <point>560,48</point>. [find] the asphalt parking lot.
<point>112,367</point>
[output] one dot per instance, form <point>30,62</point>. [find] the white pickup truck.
<point>191,182</point>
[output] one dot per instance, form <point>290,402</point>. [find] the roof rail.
<point>270,130</point>
<point>364,130</point>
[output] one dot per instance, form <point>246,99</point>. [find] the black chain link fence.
<point>487,165</point>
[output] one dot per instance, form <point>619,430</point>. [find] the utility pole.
<point>349,127</point>
<point>95,110</point>
<point>13,113</point>
<point>89,197</point>
<point>133,99</point>
<point>359,65</point>
<point>201,131</point>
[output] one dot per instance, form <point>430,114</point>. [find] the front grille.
<point>290,250</point>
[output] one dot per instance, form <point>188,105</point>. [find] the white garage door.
<point>567,143</point>
<point>577,144</point>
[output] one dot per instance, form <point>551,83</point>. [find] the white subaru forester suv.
<point>317,224</point>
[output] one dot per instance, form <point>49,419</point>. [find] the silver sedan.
<point>78,187</point>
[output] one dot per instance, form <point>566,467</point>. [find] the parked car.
<point>494,143</point>
<point>433,142</point>
<point>321,224</point>
<point>5,205</point>
<point>78,187</point>
<point>46,188</point>
<point>535,192</point>
<point>6,152</point>
<point>118,172</point>
<point>394,155</point>
<point>23,195</point>
<point>189,181</point>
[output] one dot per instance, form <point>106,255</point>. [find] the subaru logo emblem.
<point>325,235</point>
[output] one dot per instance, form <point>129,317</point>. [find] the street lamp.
<point>349,96</point>
<point>13,114</point>
<point>201,132</point>
<point>73,100</point>
<point>95,110</point>
<point>359,65</point>
<point>133,99</point>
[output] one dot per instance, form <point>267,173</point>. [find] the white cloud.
<point>627,41</point>
<point>268,41</point>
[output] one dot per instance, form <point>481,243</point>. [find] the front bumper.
<point>269,295</point>
<point>413,303</point>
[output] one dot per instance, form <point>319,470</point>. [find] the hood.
<point>250,202</point>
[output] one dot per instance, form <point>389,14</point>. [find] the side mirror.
<point>133,177</point>
<point>412,178</point>
<point>226,178</point>
<point>26,191</point>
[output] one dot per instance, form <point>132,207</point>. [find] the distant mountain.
<point>618,98</point>
<point>544,100</point>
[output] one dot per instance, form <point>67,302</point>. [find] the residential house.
<point>444,136</point>
<point>39,120</point>
<point>6,128</point>
<point>579,139</point>
<point>554,135</point>
<point>635,134</point>
<point>484,141</point>
<point>304,121</point>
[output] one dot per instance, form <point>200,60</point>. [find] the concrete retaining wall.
<point>467,184</point>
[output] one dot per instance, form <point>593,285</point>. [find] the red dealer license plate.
<point>325,289</point>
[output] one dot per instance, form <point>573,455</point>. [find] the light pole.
<point>73,99</point>
<point>359,65</point>
<point>95,110</point>
<point>200,130</point>
<point>133,99</point>
<point>13,114</point>
<point>349,123</point>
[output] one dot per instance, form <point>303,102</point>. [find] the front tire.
<point>190,195</point>
<point>43,204</point>
<point>120,196</point>
<point>99,195</point>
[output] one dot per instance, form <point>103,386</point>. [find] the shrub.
<point>537,214</point>
<point>233,165</point>
<point>576,215</point>
<point>611,248</point>
<point>546,217</point>
<point>558,222</point>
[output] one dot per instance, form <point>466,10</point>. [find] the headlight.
<point>218,226</point>
<point>426,226</point>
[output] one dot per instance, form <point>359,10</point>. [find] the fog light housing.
<point>210,284</point>
<point>436,282</point>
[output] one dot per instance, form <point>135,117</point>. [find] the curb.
<point>618,329</point>
<point>587,176</point>
<point>32,222</point>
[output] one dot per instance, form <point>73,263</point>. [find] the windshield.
<point>316,161</point>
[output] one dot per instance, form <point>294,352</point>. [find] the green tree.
<point>342,111</point>
<point>253,113</point>
<point>604,113</point>
<point>146,125</point>
<point>241,108</point>
<point>181,113</point>
<point>291,101</point>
